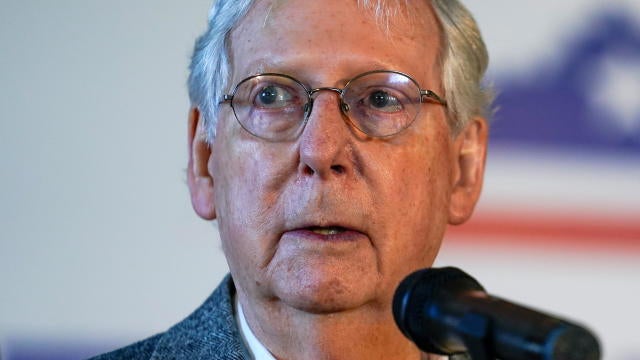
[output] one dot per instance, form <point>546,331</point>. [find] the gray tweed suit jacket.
<point>209,333</point>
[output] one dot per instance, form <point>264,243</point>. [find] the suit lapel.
<point>208,333</point>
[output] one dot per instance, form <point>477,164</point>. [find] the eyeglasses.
<point>379,103</point>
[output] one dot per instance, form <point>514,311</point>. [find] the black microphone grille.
<point>419,288</point>
<point>574,343</point>
<point>446,311</point>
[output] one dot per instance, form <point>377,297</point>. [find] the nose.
<point>326,147</point>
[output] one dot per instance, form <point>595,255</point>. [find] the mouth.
<point>328,230</point>
<point>327,234</point>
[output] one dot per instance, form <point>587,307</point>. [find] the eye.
<point>274,96</point>
<point>381,100</point>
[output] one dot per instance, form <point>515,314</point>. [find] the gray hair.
<point>463,58</point>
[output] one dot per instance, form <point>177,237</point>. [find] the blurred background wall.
<point>98,243</point>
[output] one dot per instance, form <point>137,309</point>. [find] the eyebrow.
<point>261,66</point>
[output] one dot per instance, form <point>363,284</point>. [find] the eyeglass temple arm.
<point>225,99</point>
<point>433,96</point>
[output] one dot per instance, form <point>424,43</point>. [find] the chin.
<point>325,295</point>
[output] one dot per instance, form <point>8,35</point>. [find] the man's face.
<point>334,219</point>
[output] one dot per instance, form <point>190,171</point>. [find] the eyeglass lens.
<point>276,107</point>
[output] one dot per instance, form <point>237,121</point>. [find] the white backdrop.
<point>98,242</point>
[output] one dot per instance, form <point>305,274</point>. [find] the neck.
<point>363,333</point>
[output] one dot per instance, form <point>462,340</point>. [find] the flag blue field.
<point>587,100</point>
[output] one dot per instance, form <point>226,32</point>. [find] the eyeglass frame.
<point>344,107</point>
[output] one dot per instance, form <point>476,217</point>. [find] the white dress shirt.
<point>256,349</point>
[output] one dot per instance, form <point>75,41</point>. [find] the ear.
<point>199,179</point>
<point>470,150</point>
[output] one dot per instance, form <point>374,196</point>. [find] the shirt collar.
<point>256,349</point>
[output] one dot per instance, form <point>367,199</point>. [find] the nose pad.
<point>307,109</point>
<point>344,107</point>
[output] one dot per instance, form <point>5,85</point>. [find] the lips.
<point>330,230</point>
<point>324,234</point>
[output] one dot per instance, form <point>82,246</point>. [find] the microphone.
<point>447,312</point>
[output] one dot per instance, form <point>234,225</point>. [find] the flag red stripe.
<point>607,232</point>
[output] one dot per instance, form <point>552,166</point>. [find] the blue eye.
<point>381,100</point>
<point>268,95</point>
<point>273,96</point>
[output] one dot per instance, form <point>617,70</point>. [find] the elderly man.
<point>333,141</point>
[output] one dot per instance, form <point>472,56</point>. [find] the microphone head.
<point>572,343</point>
<point>447,312</point>
<point>421,288</point>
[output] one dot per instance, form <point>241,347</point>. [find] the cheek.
<point>247,181</point>
<point>239,169</point>
<point>419,175</point>
<point>414,200</point>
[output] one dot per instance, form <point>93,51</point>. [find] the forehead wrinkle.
<point>273,7</point>
<point>386,13</point>
<point>397,20</point>
<point>421,30</point>
<point>266,16</point>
